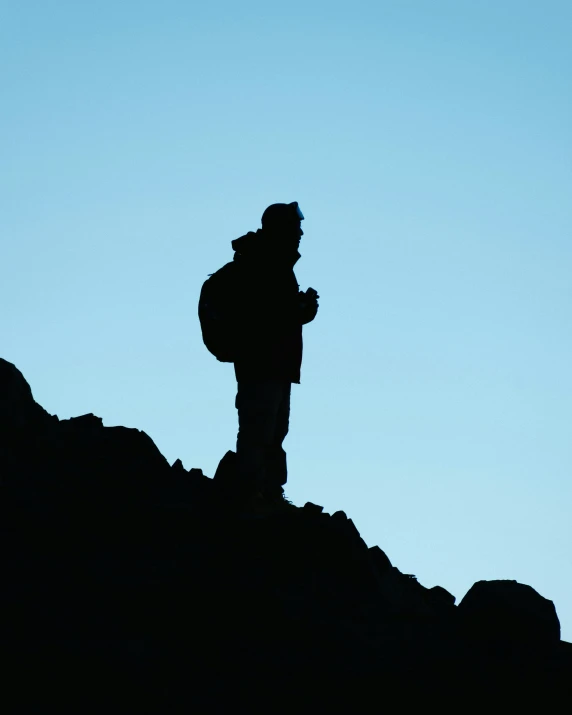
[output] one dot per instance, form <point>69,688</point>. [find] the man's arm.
<point>308,305</point>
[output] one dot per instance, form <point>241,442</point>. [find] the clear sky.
<point>429,144</point>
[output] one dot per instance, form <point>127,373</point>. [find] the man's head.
<point>284,222</point>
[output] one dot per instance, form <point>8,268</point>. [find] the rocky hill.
<point>131,585</point>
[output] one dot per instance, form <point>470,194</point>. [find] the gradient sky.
<point>429,145</point>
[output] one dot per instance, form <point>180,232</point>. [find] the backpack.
<point>216,313</point>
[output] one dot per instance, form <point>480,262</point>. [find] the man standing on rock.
<point>271,313</point>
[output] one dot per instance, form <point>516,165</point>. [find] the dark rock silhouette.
<point>508,610</point>
<point>130,585</point>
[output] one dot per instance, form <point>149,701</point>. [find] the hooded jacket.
<point>267,308</point>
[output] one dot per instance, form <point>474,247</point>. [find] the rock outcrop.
<point>131,585</point>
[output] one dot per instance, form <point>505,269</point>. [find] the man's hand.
<point>308,305</point>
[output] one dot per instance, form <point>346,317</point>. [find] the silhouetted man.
<point>271,311</point>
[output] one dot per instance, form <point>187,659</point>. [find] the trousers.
<point>263,421</point>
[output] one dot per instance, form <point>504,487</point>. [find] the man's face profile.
<point>284,221</point>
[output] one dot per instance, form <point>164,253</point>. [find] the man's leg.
<point>276,466</point>
<point>258,405</point>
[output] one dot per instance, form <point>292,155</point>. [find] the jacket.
<point>268,316</point>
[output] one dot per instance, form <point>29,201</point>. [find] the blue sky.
<point>429,146</point>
